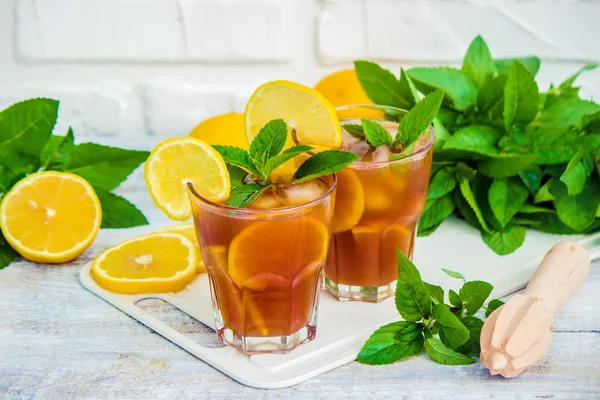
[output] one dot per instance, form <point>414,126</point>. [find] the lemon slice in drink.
<point>308,114</point>
<point>174,163</point>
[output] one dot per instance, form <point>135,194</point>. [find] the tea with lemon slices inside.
<point>378,203</point>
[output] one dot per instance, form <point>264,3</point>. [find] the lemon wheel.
<point>154,263</point>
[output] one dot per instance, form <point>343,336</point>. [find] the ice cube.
<point>249,179</point>
<point>301,193</point>
<point>421,142</point>
<point>359,148</point>
<point>348,138</point>
<point>266,201</point>
<point>382,153</point>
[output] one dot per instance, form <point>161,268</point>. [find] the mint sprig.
<point>522,146</point>
<point>27,145</point>
<point>265,155</point>
<point>425,314</point>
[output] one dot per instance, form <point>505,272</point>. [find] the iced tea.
<point>378,205</point>
<point>265,264</point>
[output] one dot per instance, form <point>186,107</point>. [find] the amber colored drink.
<point>265,265</point>
<point>381,202</point>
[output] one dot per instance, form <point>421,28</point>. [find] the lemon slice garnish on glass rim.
<point>308,114</point>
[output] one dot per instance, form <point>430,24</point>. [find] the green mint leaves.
<point>27,145</point>
<point>425,314</point>
<point>411,127</point>
<point>501,146</point>
<point>266,154</point>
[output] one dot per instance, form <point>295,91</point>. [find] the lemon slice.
<point>154,263</point>
<point>349,201</point>
<point>174,163</point>
<point>306,111</point>
<point>50,217</point>
<point>189,231</point>
<point>299,242</point>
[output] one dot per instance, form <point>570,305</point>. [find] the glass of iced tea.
<point>378,204</point>
<point>265,264</point>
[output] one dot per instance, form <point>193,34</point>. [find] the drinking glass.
<point>381,203</point>
<point>265,269</point>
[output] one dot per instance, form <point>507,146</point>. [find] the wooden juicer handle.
<point>520,332</point>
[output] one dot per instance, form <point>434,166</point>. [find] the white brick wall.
<point>127,70</point>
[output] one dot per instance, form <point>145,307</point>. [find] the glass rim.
<point>374,164</point>
<point>254,211</point>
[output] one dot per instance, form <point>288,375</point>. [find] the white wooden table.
<point>59,341</point>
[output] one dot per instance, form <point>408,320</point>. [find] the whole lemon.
<point>226,129</point>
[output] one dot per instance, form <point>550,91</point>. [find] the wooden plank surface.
<point>59,341</point>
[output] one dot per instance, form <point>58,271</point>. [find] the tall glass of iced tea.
<point>265,264</point>
<point>378,204</point>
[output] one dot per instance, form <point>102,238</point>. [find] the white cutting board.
<point>343,327</point>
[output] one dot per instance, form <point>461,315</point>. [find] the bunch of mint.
<point>265,155</point>
<point>27,145</point>
<point>425,315</point>
<point>507,156</point>
<point>410,129</point>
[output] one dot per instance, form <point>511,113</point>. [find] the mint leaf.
<point>455,299</point>
<point>452,332</point>
<point>380,85</point>
<point>436,292</point>
<point>531,64</point>
<point>104,167</point>
<point>532,178</point>
<point>506,165</point>
<point>577,172</point>
<point>412,297</point>
<point>544,194</point>
<point>117,212</point>
<point>454,274</point>
<point>323,163</point>
<point>506,197</point>
<point>408,90</point>
<point>465,190</point>
<point>492,306</point>
<point>376,134</point>
<point>354,130</point>
<point>238,157</point>
<point>590,122</point>
<point>579,211</point>
<point>436,211</point>
<point>242,196</point>
<point>506,241</point>
<point>7,254</point>
<point>442,183</point>
<point>443,355</point>
<point>491,96</point>
<point>56,152</point>
<point>471,142</point>
<point>521,97</point>
<point>26,126</point>
<point>460,90</point>
<point>567,84</point>
<point>284,157</point>
<point>474,294</point>
<point>236,175</point>
<point>478,63</point>
<point>391,343</point>
<point>471,347</point>
<point>566,112</point>
<point>419,118</point>
<point>269,142</point>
